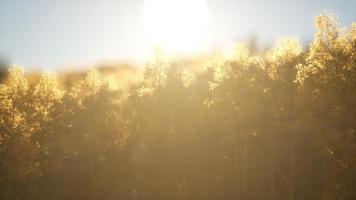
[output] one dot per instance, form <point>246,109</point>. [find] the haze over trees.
<point>280,125</point>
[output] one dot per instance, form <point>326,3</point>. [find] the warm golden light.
<point>176,25</point>
<point>244,121</point>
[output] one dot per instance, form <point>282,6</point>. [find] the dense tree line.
<point>277,125</point>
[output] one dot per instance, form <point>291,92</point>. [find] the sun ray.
<point>176,25</point>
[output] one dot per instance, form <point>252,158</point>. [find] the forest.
<point>262,124</point>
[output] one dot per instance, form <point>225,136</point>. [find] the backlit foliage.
<point>279,124</point>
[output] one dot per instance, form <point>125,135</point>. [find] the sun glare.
<point>176,25</point>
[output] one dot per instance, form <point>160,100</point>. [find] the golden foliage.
<point>157,132</point>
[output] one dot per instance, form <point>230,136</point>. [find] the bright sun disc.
<point>176,25</point>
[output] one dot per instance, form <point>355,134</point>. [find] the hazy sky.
<point>52,34</point>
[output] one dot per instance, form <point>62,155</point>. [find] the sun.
<point>176,25</point>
